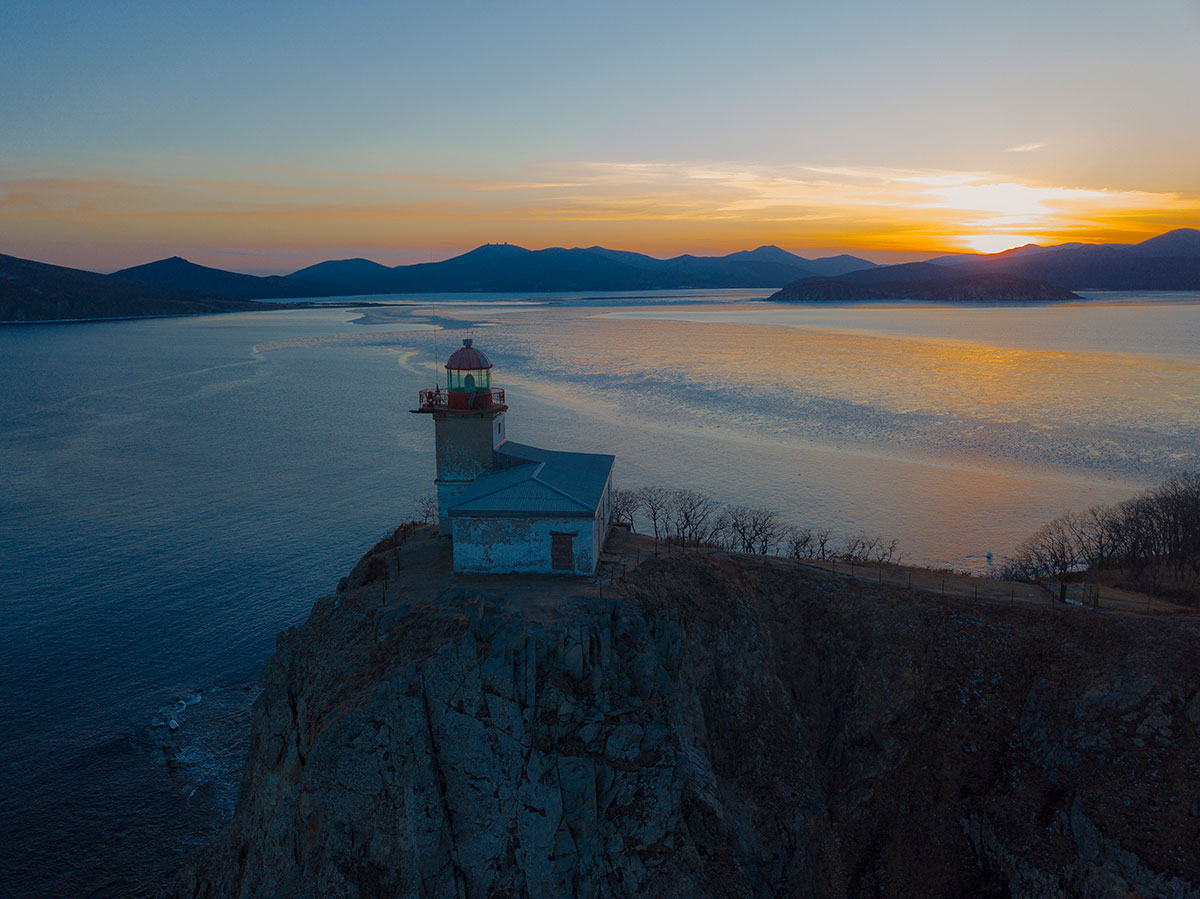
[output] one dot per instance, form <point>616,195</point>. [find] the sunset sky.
<point>265,137</point>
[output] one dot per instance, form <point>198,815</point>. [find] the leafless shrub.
<point>888,551</point>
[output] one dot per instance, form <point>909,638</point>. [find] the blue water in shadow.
<point>171,500</point>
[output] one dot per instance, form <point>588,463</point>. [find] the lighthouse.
<point>510,507</point>
<point>468,420</point>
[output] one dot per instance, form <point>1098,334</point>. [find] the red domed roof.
<point>467,358</point>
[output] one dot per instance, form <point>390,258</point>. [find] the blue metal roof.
<point>537,482</point>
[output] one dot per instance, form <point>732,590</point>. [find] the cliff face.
<point>724,728</point>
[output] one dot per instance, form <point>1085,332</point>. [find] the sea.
<point>174,492</point>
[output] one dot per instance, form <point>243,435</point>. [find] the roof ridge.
<point>501,487</point>
<point>558,490</point>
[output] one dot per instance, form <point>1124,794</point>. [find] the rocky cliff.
<point>718,727</point>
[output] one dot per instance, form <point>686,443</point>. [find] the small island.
<point>989,288</point>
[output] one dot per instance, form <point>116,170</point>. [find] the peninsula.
<point>710,725</point>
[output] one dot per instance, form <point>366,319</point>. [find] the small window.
<point>562,552</point>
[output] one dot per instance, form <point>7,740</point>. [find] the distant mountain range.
<point>33,291</point>
<point>1170,261</point>
<point>504,268</point>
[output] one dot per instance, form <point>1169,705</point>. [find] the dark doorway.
<point>562,552</point>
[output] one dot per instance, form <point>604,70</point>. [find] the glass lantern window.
<point>478,379</point>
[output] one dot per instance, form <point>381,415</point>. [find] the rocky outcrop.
<point>722,727</point>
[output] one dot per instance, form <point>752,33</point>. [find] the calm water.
<point>176,491</point>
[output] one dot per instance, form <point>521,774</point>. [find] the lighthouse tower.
<point>506,506</point>
<point>468,421</point>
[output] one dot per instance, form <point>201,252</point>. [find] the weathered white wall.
<point>603,518</point>
<point>513,545</point>
<point>447,492</point>
<point>464,444</point>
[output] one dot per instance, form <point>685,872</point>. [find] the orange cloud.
<point>650,206</point>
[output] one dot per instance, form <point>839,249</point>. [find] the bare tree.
<point>754,530</point>
<point>716,532</point>
<point>739,527</point>
<point>625,506</point>
<point>691,512</point>
<point>1154,535</point>
<point>799,542</point>
<point>765,531</point>
<point>1050,553</point>
<point>889,551</point>
<point>427,508</point>
<point>654,502</point>
<point>858,548</point>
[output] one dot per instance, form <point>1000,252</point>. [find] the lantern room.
<point>469,383</point>
<point>469,386</point>
<point>469,378</point>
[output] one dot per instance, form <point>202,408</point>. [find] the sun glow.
<point>997,243</point>
<point>286,217</point>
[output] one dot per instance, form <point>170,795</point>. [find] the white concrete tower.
<point>468,418</point>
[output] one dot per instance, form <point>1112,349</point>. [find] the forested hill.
<point>179,274</point>
<point>34,291</point>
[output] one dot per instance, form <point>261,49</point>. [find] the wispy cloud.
<point>1027,148</point>
<point>649,205</point>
